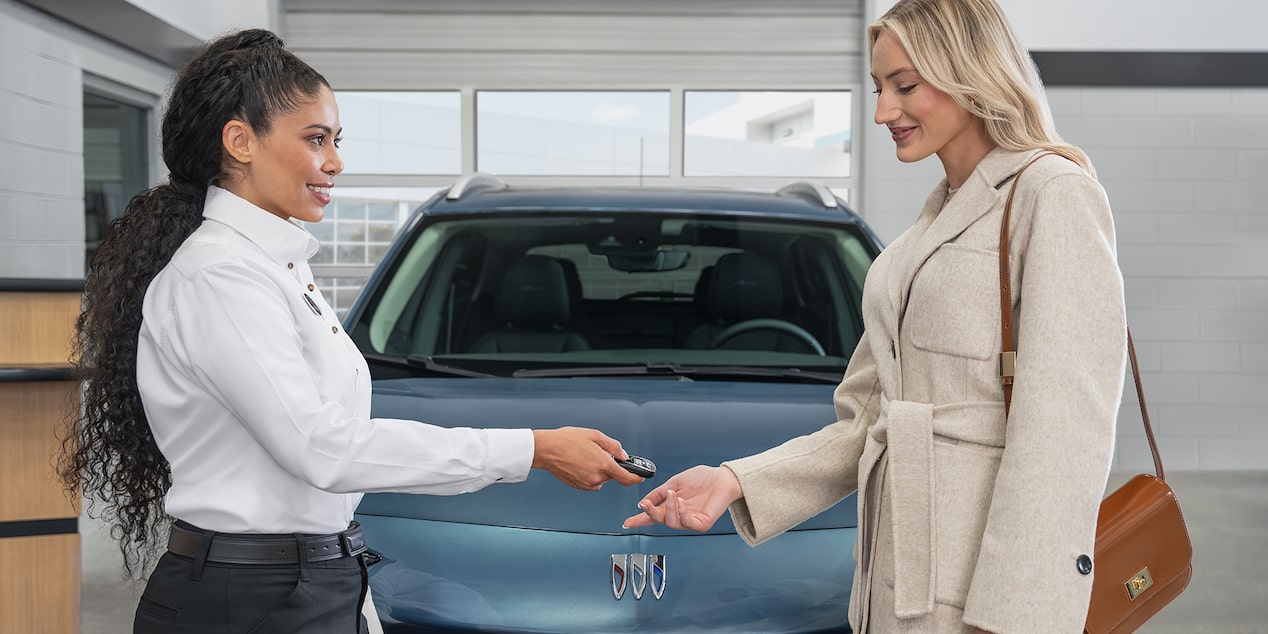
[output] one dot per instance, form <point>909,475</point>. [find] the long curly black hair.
<point>108,452</point>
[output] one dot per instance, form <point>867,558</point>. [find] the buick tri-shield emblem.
<point>638,575</point>
<point>638,570</point>
<point>658,575</point>
<point>619,564</point>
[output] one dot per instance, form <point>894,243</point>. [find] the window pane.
<point>573,133</point>
<point>116,165</point>
<point>381,211</point>
<point>350,254</point>
<point>381,231</point>
<point>325,255</point>
<point>793,134</point>
<point>392,203</point>
<point>324,231</point>
<point>400,132</point>
<point>347,209</point>
<point>346,232</point>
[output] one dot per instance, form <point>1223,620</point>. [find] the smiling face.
<point>289,171</point>
<point>921,119</point>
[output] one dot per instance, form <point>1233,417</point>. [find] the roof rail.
<point>813,191</point>
<point>474,181</point>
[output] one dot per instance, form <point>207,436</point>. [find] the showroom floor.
<point>1227,515</point>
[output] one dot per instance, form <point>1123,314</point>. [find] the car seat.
<point>533,309</point>
<point>745,287</point>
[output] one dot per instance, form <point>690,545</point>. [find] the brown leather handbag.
<point>1143,556</point>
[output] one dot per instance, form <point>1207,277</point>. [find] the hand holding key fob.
<point>638,466</point>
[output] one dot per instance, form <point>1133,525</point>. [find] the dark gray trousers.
<point>317,598</point>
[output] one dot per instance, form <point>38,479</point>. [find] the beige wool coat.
<point>968,519</point>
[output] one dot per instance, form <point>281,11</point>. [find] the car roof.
<point>803,200</point>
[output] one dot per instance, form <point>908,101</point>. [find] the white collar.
<point>283,240</point>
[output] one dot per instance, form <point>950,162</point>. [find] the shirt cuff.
<point>510,454</point>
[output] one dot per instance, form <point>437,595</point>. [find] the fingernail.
<point>624,526</point>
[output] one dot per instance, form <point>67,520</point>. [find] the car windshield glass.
<point>526,291</point>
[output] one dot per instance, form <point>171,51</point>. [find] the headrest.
<point>534,293</point>
<point>744,286</point>
<point>700,295</point>
<point>573,278</point>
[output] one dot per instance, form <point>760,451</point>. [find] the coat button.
<point>311,287</point>
<point>1085,564</point>
<point>290,265</point>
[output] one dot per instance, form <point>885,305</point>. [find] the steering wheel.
<point>780,325</point>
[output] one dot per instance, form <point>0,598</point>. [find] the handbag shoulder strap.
<point>1008,352</point>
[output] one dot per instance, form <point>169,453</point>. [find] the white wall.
<point>42,66</point>
<point>206,20</point>
<point>1131,25</point>
<point>1185,172</point>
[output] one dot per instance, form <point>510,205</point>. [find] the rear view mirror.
<point>633,246</point>
<point>661,260</point>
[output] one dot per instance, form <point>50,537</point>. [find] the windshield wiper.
<point>426,363</point>
<point>784,373</point>
<point>668,369</point>
<point>683,371</point>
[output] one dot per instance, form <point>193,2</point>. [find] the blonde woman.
<point>971,520</point>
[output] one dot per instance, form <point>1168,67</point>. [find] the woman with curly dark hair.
<point>221,392</point>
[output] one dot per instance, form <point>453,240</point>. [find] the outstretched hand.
<point>580,457</point>
<point>692,500</point>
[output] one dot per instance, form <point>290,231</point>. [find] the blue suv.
<point>694,325</point>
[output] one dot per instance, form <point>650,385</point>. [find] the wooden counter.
<point>39,522</point>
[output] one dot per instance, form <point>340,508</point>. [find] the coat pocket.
<point>965,476</point>
<point>953,305</point>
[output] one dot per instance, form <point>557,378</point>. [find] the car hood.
<point>675,423</point>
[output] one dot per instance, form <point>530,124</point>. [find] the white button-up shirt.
<point>261,402</point>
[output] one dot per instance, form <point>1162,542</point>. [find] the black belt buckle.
<point>352,542</point>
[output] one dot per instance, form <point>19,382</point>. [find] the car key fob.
<point>638,466</point>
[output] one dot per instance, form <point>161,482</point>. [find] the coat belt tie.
<point>911,474</point>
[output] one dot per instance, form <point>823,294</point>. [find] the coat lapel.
<point>938,225</point>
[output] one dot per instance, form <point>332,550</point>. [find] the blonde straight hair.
<point>967,49</point>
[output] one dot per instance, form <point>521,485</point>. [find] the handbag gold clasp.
<point>1139,582</point>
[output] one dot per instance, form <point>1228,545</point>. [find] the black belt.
<point>238,548</point>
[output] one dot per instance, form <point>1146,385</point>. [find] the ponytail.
<point>110,452</point>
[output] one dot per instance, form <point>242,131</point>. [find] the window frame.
<point>846,187</point>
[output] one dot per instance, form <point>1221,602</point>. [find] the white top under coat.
<point>261,402</point>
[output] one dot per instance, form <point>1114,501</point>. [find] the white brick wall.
<point>1186,170</point>
<point>42,67</point>
<point>41,149</point>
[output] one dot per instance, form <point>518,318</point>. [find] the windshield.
<point>501,293</point>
